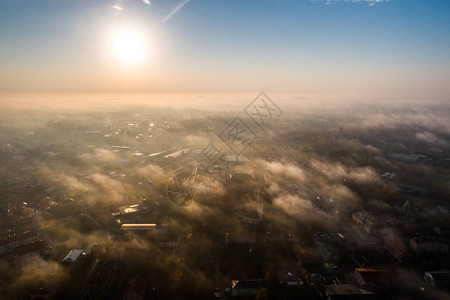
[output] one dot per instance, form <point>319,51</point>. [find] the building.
<point>235,160</point>
<point>168,241</point>
<point>243,176</point>
<point>282,236</point>
<point>359,217</point>
<point>396,248</point>
<point>245,288</point>
<point>13,241</point>
<point>277,236</point>
<point>388,176</point>
<point>249,217</point>
<point>240,238</point>
<point>40,294</point>
<point>127,214</point>
<point>442,231</point>
<point>73,256</point>
<point>252,214</point>
<point>27,252</point>
<point>157,228</point>
<point>439,279</point>
<point>135,288</point>
<point>373,279</point>
<point>347,291</point>
<point>428,244</point>
<point>178,154</point>
<point>367,222</point>
<point>402,206</point>
<point>411,158</point>
<point>197,238</point>
<point>290,279</point>
<point>371,225</point>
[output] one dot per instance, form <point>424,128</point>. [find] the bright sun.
<point>129,46</point>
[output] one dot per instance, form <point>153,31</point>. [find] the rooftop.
<point>345,289</point>
<point>141,226</point>
<point>427,239</point>
<point>371,275</point>
<point>31,247</point>
<point>236,158</point>
<point>72,256</point>
<point>17,237</point>
<point>439,276</point>
<point>178,153</point>
<point>247,284</point>
<point>396,243</point>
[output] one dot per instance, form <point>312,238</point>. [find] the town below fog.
<point>295,200</point>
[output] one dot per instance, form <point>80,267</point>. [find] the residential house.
<point>11,242</point>
<point>367,222</point>
<point>290,279</point>
<point>169,241</point>
<point>27,252</point>
<point>373,279</point>
<point>245,288</point>
<point>240,238</point>
<point>250,217</point>
<point>157,228</point>
<point>439,279</point>
<point>428,244</point>
<point>347,291</point>
<point>73,256</point>
<point>396,248</point>
<point>442,231</point>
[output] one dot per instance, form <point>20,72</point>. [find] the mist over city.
<point>224,149</point>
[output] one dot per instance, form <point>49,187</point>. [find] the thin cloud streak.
<point>175,10</point>
<point>369,2</point>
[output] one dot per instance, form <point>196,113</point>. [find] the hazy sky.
<point>398,48</point>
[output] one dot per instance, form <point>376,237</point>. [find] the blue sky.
<point>396,46</point>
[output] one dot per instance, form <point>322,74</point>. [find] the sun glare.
<point>129,46</point>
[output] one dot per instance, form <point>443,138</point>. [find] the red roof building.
<point>373,279</point>
<point>396,247</point>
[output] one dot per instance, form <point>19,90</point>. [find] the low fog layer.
<point>68,161</point>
